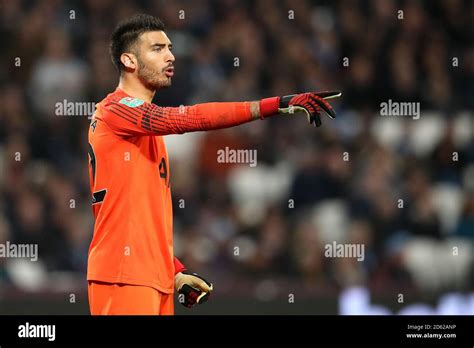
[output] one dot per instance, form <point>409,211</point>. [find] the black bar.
<point>287,330</point>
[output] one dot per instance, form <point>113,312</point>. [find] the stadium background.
<point>257,232</point>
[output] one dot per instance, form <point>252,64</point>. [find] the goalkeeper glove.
<point>310,103</point>
<point>192,287</point>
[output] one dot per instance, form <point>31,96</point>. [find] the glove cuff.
<point>269,107</point>
<point>178,266</point>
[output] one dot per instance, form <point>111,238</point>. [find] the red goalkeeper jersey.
<point>130,185</point>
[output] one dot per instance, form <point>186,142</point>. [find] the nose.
<point>170,57</point>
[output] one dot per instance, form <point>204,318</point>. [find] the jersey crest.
<point>131,102</point>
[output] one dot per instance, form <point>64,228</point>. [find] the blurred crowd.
<point>403,188</point>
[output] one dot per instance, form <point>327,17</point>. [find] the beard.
<point>152,79</point>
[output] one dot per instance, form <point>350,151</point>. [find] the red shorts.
<point>126,299</point>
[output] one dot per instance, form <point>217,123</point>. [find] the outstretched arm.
<point>151,119</point>
<point>126,118</point>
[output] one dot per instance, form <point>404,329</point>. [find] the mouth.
<point>169,72</point>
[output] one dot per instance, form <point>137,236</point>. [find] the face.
<point>154,60</point>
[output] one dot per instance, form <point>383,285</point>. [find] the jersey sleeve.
<point>127,119</point>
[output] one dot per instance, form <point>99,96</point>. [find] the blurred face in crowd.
<point>152,60</point>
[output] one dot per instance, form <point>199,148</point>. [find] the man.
<point>131,268</point>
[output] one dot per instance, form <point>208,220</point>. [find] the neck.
<point>136,89</point>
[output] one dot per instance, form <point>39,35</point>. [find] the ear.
<point>129,60</point>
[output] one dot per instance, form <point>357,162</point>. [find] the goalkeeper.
<point>131,266</point>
